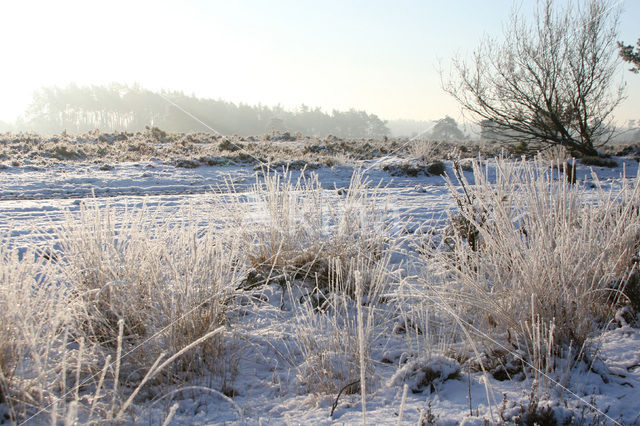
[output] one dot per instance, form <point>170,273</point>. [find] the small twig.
<point>469,384</point>
<point>402,403</point>
<point>172,413</point>
<point>459,175</point>
<point>335,403</point>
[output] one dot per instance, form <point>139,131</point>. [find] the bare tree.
<point>550,80</point>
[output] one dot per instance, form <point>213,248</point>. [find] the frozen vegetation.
<point>198,279</point>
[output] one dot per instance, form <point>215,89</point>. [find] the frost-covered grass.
<point>169,284</point>
<point>313,235</point>
<point>205,149</point>
<point>528,247</point>
<point>142,291</point>
<point>37,358</point>
<point>319,296</point>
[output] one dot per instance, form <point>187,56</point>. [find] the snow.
<point>267,390</point>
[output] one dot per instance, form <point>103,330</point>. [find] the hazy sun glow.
<point>379,56</point>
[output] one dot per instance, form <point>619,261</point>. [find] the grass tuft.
<point>538,259</point>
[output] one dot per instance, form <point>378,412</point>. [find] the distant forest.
<point>119,107</point>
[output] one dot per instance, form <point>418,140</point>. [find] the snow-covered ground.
<point>267,387</point>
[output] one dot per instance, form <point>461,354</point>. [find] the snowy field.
<point>410,377</point>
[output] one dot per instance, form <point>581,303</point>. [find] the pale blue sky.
<point>381,56</point>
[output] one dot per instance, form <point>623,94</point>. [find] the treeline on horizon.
<point>118,107</point>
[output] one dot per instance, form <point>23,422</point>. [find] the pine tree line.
<point>118,107</point>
